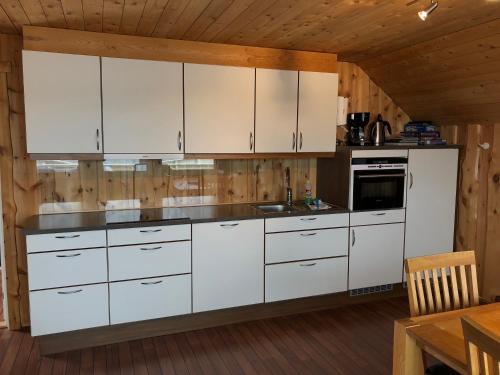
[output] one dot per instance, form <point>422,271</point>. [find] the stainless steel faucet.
<point>289,195</point>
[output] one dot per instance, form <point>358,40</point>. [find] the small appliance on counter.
<point>356,123</point>
<point>377,131</point>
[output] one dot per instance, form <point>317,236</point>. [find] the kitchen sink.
<point>270,208</point>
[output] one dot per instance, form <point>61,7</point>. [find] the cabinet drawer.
<point>149,298</point>
<point>290,246</point>
<point>69,309</point>
<point>66,268</point>
<point>130,236</point>
<point>303,279</point>
<point>377,217</point>
<point>135,262</point>
<point>37,243</point>
<point>284,224</point>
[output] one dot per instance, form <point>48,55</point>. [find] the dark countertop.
<point>83,221</point>
<point>396,147</point>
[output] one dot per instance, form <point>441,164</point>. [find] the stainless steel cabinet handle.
<point>380,175</point>
<point>150,230</point>
<point>411,180</point>
<point>229,225</point>
<point>353,238</point>
<point>97,139</point>
<point>293,141</point>
<point>152,282</point>
<point>69,255</point>
<point>308,265</point>
<point>379,214</point>
<point>300,142</point>
<point>71,291</point>
<point>308,218</point>
<point>150,248</point>
<point>179,140</point>
<point>66,237</point>
<point>308,234</point>
<point>251,141</point>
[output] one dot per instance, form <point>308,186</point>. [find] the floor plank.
<point>350,340</point>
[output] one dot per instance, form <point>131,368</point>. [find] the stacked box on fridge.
<point>423,133</point>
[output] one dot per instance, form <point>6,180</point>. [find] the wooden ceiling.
<point>355,29</point>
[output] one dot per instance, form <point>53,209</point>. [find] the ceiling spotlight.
<point>423,14</point>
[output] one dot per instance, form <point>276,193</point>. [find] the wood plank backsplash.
<point>67,186</point>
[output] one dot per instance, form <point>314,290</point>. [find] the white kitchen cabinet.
<point>228,264</point>
<point>317,113</point>
<point>36,243</point>
<point>430,206</point>
<point>276,110</point>
<point>219,109</point>
<point>163,233</point>
<point>376,255</point>
<point>62,96</point>
<point>306,222</point>
<point>142,104</point>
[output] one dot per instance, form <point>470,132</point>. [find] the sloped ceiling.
<point>385,37</point>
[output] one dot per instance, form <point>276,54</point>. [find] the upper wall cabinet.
<point>62,96</point>
<point>317,120</point>
<point>219,109</point>
<point>276,110</point>
<point>142,106</point>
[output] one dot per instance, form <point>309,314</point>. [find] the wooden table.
<point>440,335</point>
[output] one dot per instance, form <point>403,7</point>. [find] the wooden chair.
<point>482,347</point>
<point>429,292</point>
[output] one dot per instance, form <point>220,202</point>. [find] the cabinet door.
<point>142,106</point>
<point>219,109</point>
<point>62,95</point>
<point>228,264</point>
<point>376,255</point>
<point>317,121</point>
<point>276,110</point>
<point>430,206</point>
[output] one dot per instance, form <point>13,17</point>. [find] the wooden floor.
<point>350,340</point>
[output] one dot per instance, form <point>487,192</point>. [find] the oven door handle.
<point>379,175</point>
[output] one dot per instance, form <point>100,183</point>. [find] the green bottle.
<point>308,198</point>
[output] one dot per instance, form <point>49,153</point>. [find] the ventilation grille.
<point>371,290</point>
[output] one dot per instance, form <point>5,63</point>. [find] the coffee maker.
<point>356,123</point>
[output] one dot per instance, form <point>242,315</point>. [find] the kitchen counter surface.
<point>83,221</point>
<point>395,147</point>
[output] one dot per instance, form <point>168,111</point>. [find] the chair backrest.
<point>432,279</point>
<point>482,347</point>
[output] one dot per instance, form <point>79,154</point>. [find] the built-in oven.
<point>378,183</point>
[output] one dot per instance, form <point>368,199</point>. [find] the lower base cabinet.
<point>153,298</point>
<point>68,309</point>
<point>305,278</point>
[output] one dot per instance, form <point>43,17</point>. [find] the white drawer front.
<point>130,236</point>
<point>290,246</point>
<point>140,261</point>
<point>284,224</point>
<point>150,298</point>
<point>67,268</point>
<point>69,309</point>
<point>377,217</point>
<point>303,279</point>
<point>36,243</point>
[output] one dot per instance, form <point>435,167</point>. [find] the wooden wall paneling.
<point>132,11</point>
<point>34,12</point>
<point>111,45</point>
<point>112,14</point>
<point>15,14</point>
<point>211,13</point>
<point>73,14</point>
<point>92,11</point>
<point>54,12</point>
<point>150,14</point>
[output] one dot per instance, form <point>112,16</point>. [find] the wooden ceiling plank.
<point>15,13</point>
<point>189,15</point>
<point>171,13</point>
<point>227,17</point>
<point>73,13</point>
<point>112,15</point>
<point>6,25</point>
<point>34,12</point>
<point>132,13</point>
<point>151,14</point>
<point>54,12</point>
<point>92,14</point>
<point>214,10</point>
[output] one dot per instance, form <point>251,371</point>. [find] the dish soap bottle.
<point>308,199</point>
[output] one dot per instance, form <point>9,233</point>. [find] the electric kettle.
<point>377,132</point>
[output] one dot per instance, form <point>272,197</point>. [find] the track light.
<point>423,14</point>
